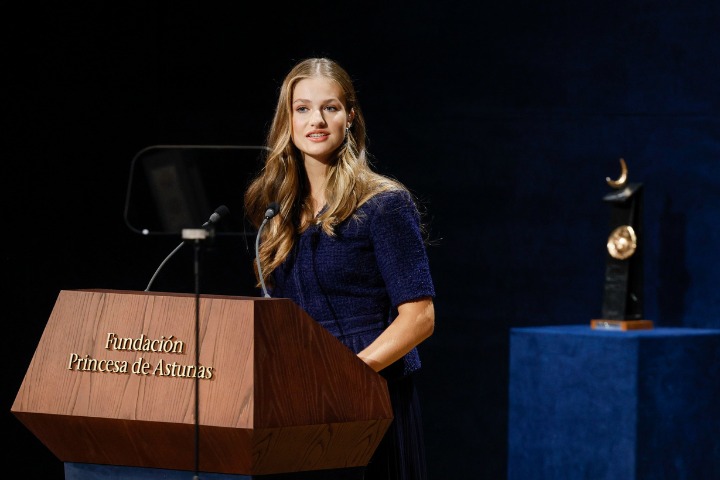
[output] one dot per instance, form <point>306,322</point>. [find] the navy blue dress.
<point>352,284</point>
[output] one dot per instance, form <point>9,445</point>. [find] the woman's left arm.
<point>415,322</point>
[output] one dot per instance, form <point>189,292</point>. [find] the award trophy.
<point>622,307</point>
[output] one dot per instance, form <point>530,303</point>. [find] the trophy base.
<point>621,325</point>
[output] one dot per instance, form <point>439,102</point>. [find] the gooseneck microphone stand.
<point>196,235</point>
<point>270,212</point>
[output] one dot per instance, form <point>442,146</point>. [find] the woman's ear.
<point>350,117</point>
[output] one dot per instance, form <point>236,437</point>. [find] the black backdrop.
<point>505,120</point>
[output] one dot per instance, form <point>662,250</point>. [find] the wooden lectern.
<point>112,382</point>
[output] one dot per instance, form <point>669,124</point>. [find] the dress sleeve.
<point>399,247</point>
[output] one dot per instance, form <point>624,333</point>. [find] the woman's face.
<point>319,118</point>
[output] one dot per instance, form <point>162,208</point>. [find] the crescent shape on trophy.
<point>622,180</point>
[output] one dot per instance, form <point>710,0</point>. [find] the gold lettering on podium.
<point>160,368</point>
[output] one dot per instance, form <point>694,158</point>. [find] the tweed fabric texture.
<point>353,282</point>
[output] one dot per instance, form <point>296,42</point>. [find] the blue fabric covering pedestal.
<point>613,405</point>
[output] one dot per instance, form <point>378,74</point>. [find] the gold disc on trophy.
<point>622,242</point>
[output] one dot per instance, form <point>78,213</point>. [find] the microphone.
<point>221,212</point>
<point>270,212</point>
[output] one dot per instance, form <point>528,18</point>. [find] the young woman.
<point>347,245</point>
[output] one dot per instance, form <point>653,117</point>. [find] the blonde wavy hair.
<point>282,179</point>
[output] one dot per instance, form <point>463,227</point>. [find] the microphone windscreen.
<point>222,211</point>
<point>218,214</point>
<point>272,210</point>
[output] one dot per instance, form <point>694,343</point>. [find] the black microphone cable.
<point>314,243</point>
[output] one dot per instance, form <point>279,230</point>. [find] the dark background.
<point>505,120</point>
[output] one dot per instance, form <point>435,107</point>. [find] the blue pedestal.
<point>603,405</point>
